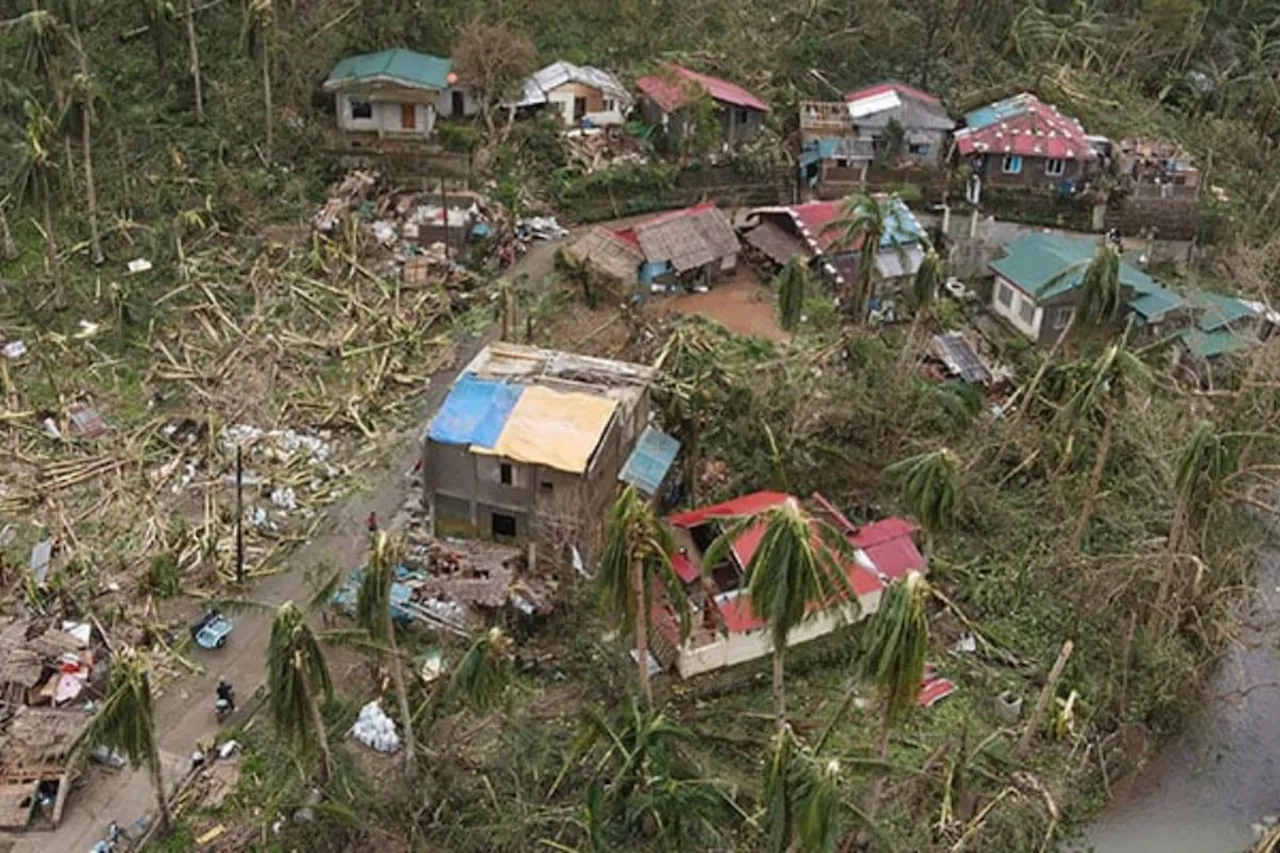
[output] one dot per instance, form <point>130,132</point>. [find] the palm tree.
<point>35,167</point>
<point>896,642</point>
<point>373,613</point>
<point>480,679</point>
<point>928,484</point>
<point>1100,301</point>
<point>1115,374</point>
<point>792,283</point>
<point>193,53</point>
<point>297,679</point>
<point>126,722</point>
<point>795,564</point>
<point>636,559</point>
<point>924,290</point>
<point>864,223</point>
<point>1204,462</point>
<point>801,798</point>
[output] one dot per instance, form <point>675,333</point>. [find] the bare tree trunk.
<point>46,213</point>
<point>193,50</point>
<point>642,632</point>
<point>882,753</point>
<point>157,785</point>
<point>72,181</point>
<point>402,698</point>
<point>1034,384</point>
<point>322,734</point>
<point>266,93</point>
<point>1095,478</point>
<point>90,190</point>
<point>8,248</point>
<point>1043,701</point>
<point>779,688</point>
<point>1170,563</point>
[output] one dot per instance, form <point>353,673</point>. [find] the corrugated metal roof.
<point>954,351</point>
<point>901,89</point>
<point>900,262</point>
<point>649,463</point>
<point>399,66</point>
<point>672,93</point>
<point>1025,126</point>
<point>540,84</point>
<point>475,411</point>
<point>1204,344</point>
<point>1218,309</point>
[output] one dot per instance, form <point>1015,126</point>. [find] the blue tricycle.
<point>212,630</point>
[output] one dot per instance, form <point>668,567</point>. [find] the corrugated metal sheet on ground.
<point>649,463</point>
<point>553,428</point>
<point>475,411</point>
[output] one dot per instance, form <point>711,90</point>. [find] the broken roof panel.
<point>539,85</point>
<point>649,463</point>
<point>954,351</point>
<point>475,412</point>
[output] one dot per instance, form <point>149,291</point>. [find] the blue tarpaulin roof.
<point>475,412</point>
<point>650,461</point>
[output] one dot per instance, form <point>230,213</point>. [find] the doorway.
<point>408,116</point>
<point>457,104</point>
<point>502,526</point>
<point>579,109</point>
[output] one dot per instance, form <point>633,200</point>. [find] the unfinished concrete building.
<point>529,441</point>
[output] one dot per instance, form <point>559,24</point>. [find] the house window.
<point>742,116</point>
<point>502,525</point>
<point>919,149</point>
<point>1061,317</point>
<point>547,488</point>
<point>1054,166</point>
<point>1027,311</point>
<point>842,163</point>
<point>504,473</point>
<point>361,110</point>
<point>1004,293</point>
<point>1012,164</point>
<point>608,105</point>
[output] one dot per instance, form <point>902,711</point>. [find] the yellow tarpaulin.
<point>554,428</point>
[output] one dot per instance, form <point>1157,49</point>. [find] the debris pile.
<point>375,729</point>
<point>595,149</point>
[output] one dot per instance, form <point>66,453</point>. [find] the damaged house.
<point>809,231</point>
<point>695,245</point>
<point>724,630</point>
<point>1024,142</point>
<point>46,675</point>
<point>528,439</point>
<point>577,95</point>
<point>663,96</point>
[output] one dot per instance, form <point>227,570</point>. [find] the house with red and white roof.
<point>1023,141</point>
<point>724,628</point>
<point>664,96</point>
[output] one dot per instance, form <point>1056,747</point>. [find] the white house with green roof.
<point>1037,283</point>
<point>396,92</point>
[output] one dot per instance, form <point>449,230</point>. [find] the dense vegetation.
<point>1115,509</point>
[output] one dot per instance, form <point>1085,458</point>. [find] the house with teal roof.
<point>397,92</point>
<point>1037,283</point>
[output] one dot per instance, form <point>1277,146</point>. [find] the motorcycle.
<point>222,708</point>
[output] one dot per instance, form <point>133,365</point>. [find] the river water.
<point>1204,791</point>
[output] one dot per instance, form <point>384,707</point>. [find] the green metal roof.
<point>1217,309</point>
<point>1204,344</point>
<point>404,67</point>
<point>1048,265</point>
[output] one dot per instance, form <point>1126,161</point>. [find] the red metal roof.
<point>745,505</point>
<point>902,89</point>
<point>812,217</point>
<point>1037,130</point>
<point>670,94</point>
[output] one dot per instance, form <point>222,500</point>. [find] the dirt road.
<point>184,709</point>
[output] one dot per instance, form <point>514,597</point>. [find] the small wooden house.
<point>577,95</point>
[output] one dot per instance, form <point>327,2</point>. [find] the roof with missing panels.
<point>671,90</point>
<point>541,83</point>
<point>1026,126</point>
<point>397,66</point>
<point>914,109</point>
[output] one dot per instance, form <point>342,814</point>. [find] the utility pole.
<point>239,516</point>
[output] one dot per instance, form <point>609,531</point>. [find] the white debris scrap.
<point>138,265</point>
<point>15,349</point>
<point>281,445</point>
<point>374,729</point>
